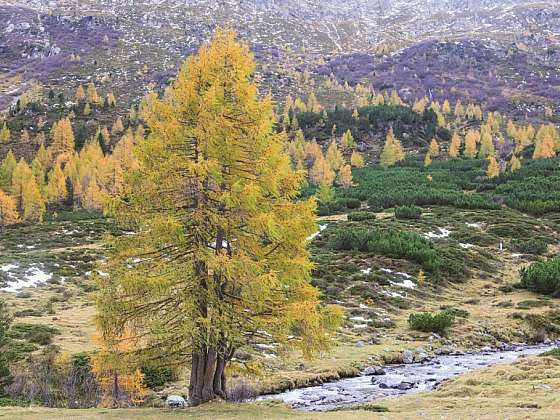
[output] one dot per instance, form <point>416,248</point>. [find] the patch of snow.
<point>33,277</point>
<point>359,326</point>
<point>407,284</point>
<point>474,225</point>
<point>321,228</point>
<point>386,270</point>
<point>265,346</point>
<point>8,267</point>
<point>466,246</point>
<point>359,319</point>
<point>362,306</point>
<point>443,233</point>
<point>516,255</point>
<point>366,271</point>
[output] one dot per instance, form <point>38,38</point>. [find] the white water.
<point>418,376</point>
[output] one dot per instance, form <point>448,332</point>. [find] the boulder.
<point>175,401</point>
<point>360,344</point>
<point>421,357</point>
<point>407,357</point>
<point>404,385</point>
<point>373,371</point>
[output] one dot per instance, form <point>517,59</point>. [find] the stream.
<point>397,380</point>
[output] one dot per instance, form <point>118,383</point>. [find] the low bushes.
<point>400,244</point>
<point>408,212</point>
<point>530,246</point>
<point>359,216</point>
<point>338,205</point>
<point>542,277</point>
<point>427,322</point>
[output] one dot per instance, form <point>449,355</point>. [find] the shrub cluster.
<point>530,246</point>
<point>358,216</point>
<point>427,322</point>
<point>408,212</point>
<point>542,277</point>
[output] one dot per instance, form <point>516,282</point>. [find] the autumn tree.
<point>493,169</point>
<point>348,143</point>
<point>334,156</point>
<point>357,160</point>
<point>111,100</point>
<point>321,173</point>
<point>486,143</point>
<point>62,145</point>
<point>514,163</point>
<point>544,148</point>
<point>219,260</point>
<point>344,178</point>
<point>80,94</point>
<point>118,126</point>
<point>427,160</point>
<point>4,134</point>
<point>33,205</point>
<point>433,149</point>
<point>6,171</point>
<point>8,211</point>
<point>55,191</point>
<point>455,146</point>
<point>91,94</point>
<point>393,151</point>
<point>471,140</point>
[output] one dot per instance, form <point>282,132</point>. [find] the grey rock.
<point>373,371</point>
<point>421,357</point>
<point>407,357</point>
<point>404,385</point>
<point>175,401</point>
<point>360,344</point>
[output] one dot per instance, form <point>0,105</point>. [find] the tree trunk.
<point>207,377</point>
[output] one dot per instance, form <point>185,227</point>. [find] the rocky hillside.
<point>504,53</point>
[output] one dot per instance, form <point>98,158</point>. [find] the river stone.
<point>421,357</point>
<point>407,357</point>
<point>445,350</point>
<point>175,401</point>
<point>373,371</point>
<point>404,385</point>
<point>360,344</point>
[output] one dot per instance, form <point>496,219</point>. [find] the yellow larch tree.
<point>55,191</point>
<point>8,211</point>
<point>215,205</point>
<point>4,134</point>
<point>493,169</point>
<point>118,127</point>
<point>334,156</point>
<point>6,171</point>
<point>91,94</point>
<point>62,146</point>
<point>544,148</point>
<point>80,94</point>
<point>393,151</point>
<point>33,205</point>
<point>347,143</point>
<point>344,178</point>
<point>514,163</point>
<point>455,146</point>
<point>486,143</point>
<point>471,139</point>
<point>433,149</point>
<point>357,160</point>
<point>427,160</point>
<point>446,107</point>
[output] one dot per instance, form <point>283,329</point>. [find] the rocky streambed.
<point>378,382</point>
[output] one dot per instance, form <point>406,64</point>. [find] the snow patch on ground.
<point>33,277</point>
<point>321,228</point>
<point>474,225</point>
<point>466,246</point>
<point>443,233</point>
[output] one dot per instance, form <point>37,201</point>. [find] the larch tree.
<point>55,191</point>
<point>219,260</point>
<point>433,149</point>
<point>393,151</point>
<point>357,160</point>
<point>6,171</point>
<point>471,140</point>
<point>493,169</point>
<point>111,100</point>
<point>446,107</point>
<point>514,163</point>
<point>91,94</point>
<point>348,143</point>
<point>344,178</point>
<point>334,156</point>
<point>321,173</point>
<point>8,211</point>
<point>33,205</point>
<point>459,111</point>
<point>62,146</point>
<point>455,146</point>
<point>427,160</point>
<point>80,94</point>
<point>118,127</point>
<point>4,134</point>
<point>544,148</point>
<point>486,143</point>
<point>20,176</point>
